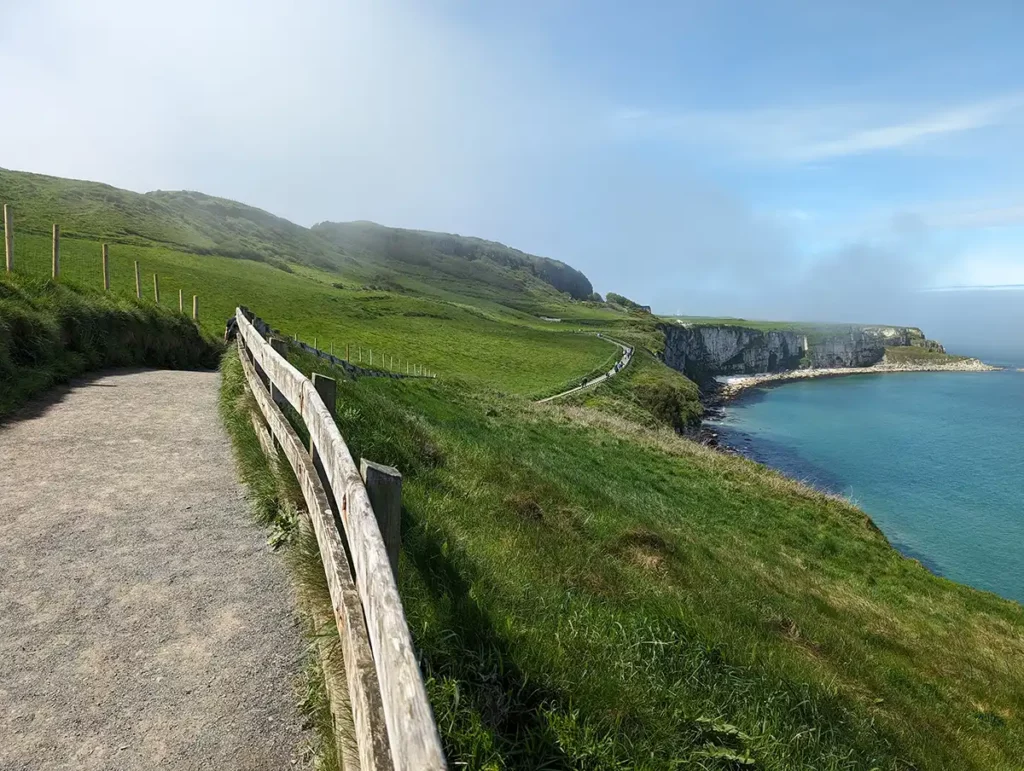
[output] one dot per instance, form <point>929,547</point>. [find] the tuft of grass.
<point>51,332</point>
<point>276,500</point>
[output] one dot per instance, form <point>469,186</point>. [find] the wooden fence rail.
<point>393,723</point>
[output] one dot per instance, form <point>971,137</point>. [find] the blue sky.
<point>741,158</point>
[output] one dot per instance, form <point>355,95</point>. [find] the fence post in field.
<point>8,238</point>
<point>384,487</point>
<point>314,341</point>
<point>281,346</point>
<point>348,356</point>
<point>327,387</point>
<point>181,301</point>
<point>195,307</point>
<point>56,250</point>
<point>138,282</point>
<point>106,268</point>
<point>332,347</point>
<point>156,288</point>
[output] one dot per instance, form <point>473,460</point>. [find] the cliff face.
<point>702,351</point>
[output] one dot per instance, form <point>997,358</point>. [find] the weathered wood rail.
<point>393,723</point>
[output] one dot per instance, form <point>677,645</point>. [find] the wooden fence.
<point>392,721</point>
<point>55,265</point>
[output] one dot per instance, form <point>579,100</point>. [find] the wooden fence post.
<point>56,250</point>
<point>384,487</point>
<point>156,288</point>
<point>281,346</point>
<point>181,301</point>
<point>327,387</point>
<point>8,238</point>
<point>195,307</point>
<point>138,281</point>
<point>106,269</point>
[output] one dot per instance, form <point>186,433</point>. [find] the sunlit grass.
<point>587,592</point>
<point>493,348</point>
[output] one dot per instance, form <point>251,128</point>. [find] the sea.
<point>935,458</point>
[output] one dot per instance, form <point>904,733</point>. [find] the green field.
<point>495,347</point>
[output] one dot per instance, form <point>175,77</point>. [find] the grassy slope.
<point>915,355</point>
<point>589,593</point>
<point>458,256</point>
<point>495,348</point>
<point>431,263</point>
<point>51,332</point>
<point>646,392</point>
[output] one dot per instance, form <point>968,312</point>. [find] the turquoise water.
<point>936,459</point>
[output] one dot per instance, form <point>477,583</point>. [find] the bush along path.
<point>621,364</point>
<point>145,623</point>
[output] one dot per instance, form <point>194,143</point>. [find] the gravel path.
<point>143,621</point>
<point>627,356</point>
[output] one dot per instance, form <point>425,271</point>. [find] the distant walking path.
<point>143,623</point>
<point>621,364</point>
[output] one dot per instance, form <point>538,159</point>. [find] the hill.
<point>460,258</point>
<point>406,260</point>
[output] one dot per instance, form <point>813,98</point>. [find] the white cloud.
<point>808,135</point>
<point>984,267</point>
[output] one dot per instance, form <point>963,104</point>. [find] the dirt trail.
<point>143,622</point>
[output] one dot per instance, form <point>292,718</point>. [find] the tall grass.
<point>51,332</point>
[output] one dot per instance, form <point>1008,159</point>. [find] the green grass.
<point>912,354</point>
<point>497,348</point>
<point>588,593</point>
<point>647,392</point>
<point>51,332</point>
<point>420,261</point>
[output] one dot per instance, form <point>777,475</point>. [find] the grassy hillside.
<point>496,348</point>
<point>590,593</point>
<point>647,393</point>
<point>906,354</point>
<point>51,332</point>
<point>452,267</point>
<point>187,221</point>
<point>459,257</point>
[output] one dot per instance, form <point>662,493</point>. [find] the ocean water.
<point>936,460</point>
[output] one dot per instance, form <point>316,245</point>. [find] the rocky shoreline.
<point>715,400</point>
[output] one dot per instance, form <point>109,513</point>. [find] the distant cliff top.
<point>800,327</point>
